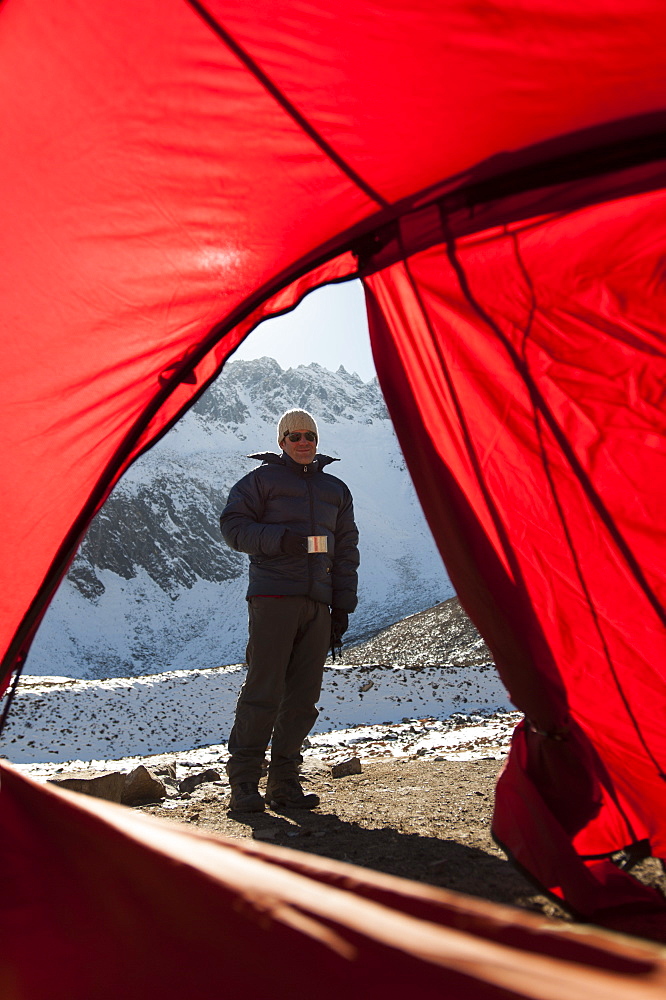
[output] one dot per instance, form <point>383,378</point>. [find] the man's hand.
<point>339,625</point>
<point>293,544</point>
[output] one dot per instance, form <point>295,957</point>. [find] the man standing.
<point>296,522</point>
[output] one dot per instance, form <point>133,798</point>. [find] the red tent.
<point>109,902</point>
<point>174,172</point>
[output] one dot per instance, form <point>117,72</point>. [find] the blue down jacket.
<point>282,494</point>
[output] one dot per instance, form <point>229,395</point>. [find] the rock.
<point>268,834</point>
<point>314,768</point>
<point>366,687</point>
<point>142,787</point>
<point>192,780</point>
<point>346,767</point>
<point>105,785</point>
<point>166,770</point>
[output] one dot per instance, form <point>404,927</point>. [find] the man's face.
<point>302,451</point>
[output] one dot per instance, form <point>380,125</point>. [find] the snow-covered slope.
<point>427,668</point>
<point>155,588</point>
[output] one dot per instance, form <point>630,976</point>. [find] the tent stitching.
<point>467,192</point>
<point>509,553</point>
<point>284,102</point>
<point>576,467</point>
<point>539,428</point>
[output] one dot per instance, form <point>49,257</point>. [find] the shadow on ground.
<point>439,862</point>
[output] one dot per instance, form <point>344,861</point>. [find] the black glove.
<point>293,544</point>
<point>339,625</point>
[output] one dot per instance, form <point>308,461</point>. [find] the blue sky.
<point>329,327</point>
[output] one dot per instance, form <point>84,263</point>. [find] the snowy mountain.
<point>155,588</point>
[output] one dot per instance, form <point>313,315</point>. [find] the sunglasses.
<point>308,435</point>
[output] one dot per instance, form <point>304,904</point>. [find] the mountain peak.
<point>260,390</point>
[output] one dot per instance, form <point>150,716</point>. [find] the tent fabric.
<point>117,903</point>
<point>164,179</point>
<point>534,429</point>
<point>550,778</point>
<point>175,172</point>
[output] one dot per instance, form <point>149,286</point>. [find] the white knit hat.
<point>296,420</point>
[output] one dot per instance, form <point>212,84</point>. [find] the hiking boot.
<point>288,794</point>
<point>245,798</point>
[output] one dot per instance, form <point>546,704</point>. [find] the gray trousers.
<point>289,640</point>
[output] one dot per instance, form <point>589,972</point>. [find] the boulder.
<point>101,785</point>
<point>141,787</point>
<point>189,783</point>
<point>346,767</point>
<point>165,770</point>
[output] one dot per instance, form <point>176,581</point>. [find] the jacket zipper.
<point>312,527</point>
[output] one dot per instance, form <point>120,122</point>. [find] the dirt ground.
<point>422,820</point>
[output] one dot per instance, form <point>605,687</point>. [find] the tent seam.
<point>539,420</point>
<point>490,505</point>
<point>591,492</point>
<point>284,102</point>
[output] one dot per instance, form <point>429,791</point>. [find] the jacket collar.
<point>316,465</point>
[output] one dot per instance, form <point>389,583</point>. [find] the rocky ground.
<point>421,819</point>
<point>426,820</point>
